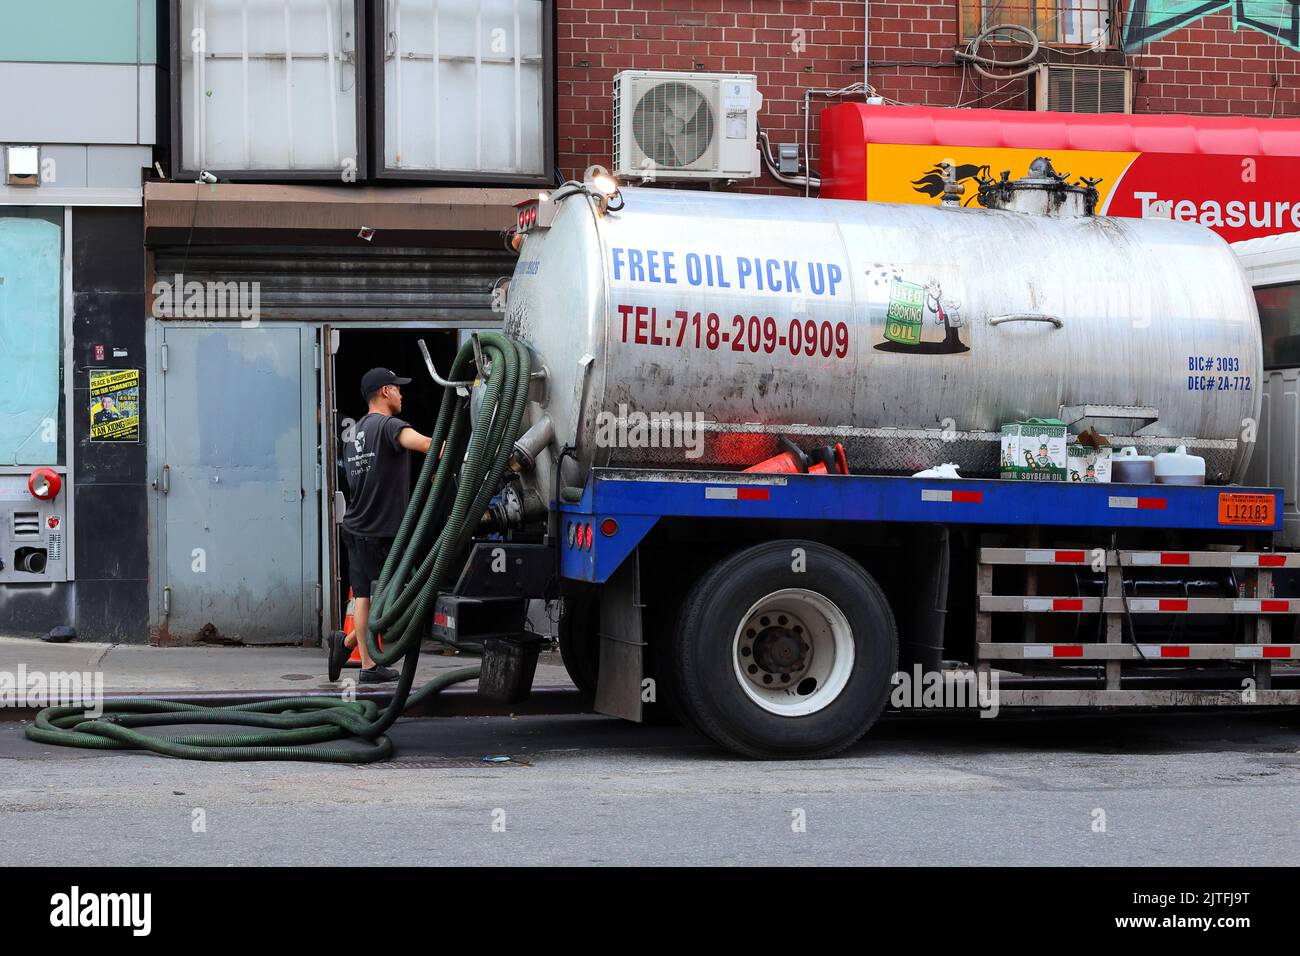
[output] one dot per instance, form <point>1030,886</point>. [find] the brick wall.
<point>597,38</point>
<point>1210,68</point>
<point>794,45</point>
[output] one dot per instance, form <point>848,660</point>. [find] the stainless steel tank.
<point>910,333</point>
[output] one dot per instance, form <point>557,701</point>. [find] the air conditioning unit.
<point>685,125</point>
<point>1082,89</point>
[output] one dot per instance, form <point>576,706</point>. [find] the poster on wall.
<point>115,405</point>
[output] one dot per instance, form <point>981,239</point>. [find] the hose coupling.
<point>523,457</point>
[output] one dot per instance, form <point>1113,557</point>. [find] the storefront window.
<point>31,339</point>
<point>1279,322</point>
<point>268,85</point>
<point>464,87</point>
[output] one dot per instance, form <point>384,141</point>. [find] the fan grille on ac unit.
<point>673,125</point>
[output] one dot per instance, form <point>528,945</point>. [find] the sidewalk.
<point>142,670</point>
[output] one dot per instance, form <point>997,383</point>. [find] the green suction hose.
<point>461,472</point>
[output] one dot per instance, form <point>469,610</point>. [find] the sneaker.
<point>338,654</point>
<point>378,675</point>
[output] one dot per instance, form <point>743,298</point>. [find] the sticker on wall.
<point>115,405</point>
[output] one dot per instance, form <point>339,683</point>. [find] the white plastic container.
<point>1179,468</point>
<point>1127,467</point>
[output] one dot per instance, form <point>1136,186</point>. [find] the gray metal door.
<point>235,484</point>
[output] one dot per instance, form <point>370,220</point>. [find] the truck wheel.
<point>775,662</point>
<point>580,641</point>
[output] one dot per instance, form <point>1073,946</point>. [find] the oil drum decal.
<point>906,312</point>
<point>921,318</point>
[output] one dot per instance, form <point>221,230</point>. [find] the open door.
<point>331,499</point>
<point>346,355</point>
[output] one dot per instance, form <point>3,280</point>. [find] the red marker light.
<point>609,527</point>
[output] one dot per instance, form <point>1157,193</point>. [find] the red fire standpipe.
<point>45,484</point>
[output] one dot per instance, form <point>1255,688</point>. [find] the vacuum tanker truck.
<point>728,473</point>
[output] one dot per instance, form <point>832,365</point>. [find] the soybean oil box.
<point>1034,450</point>
<point>1089,464</point>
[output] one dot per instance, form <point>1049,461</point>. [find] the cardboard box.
<point>1034,450</point>
<point>1082,458</point>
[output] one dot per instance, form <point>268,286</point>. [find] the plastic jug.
<point>1128,467</point>
<point>1179,468</point>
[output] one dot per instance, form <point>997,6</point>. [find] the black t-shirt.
<point>379,477</point>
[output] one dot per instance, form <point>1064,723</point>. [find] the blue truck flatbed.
<point>636,499</point>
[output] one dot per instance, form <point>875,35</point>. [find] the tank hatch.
<point>1043,192</point>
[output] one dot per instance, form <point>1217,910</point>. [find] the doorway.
<point>359,350</point>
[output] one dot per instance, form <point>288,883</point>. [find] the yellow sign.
<point>115,404</point>
<point>905,173</point>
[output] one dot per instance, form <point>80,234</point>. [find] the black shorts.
<point>366,557</point>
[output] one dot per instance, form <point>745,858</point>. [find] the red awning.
<point>1212,189</point>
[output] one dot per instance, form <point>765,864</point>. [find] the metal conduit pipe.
<point>850,90</point>
<point>765,149</point>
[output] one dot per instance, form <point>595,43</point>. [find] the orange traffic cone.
<point>349,625</point>
<point>795,461</point>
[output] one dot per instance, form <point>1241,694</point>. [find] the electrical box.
<point>34,535</point>
<point>22,166</point>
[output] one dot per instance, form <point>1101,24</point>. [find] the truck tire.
<point>774,662</point>
<point>580,641</point>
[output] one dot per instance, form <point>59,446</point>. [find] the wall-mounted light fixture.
<point>22,165</point>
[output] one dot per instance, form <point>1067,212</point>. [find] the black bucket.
<point>509,664</point>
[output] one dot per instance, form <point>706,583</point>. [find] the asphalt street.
<point>1130,789</point>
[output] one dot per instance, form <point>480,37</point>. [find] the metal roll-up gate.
<point>330,284</point>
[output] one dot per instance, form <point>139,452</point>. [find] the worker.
<point>377,461</point>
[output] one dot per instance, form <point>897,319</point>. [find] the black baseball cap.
<point>377,378</point>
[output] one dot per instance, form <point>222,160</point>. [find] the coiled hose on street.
<point>461,473</point>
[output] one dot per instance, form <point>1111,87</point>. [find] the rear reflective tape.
<point>1269,651</point>
<point>1055,557</point>
<point>733,493</point>
<point>955,497</point>
<point>1259,560</point>
<point>1157,504</point>
<point>1264,607</point>
<point>1053,604</point>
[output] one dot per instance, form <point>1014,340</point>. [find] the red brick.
<point>1205,67</point>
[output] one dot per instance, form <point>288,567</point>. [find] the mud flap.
<point>922,623</point>
<point>622,645</point>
